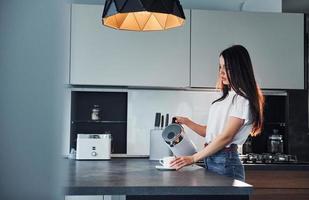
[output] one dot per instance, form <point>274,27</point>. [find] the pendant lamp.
<point>143,15</point>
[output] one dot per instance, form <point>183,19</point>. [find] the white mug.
<point>166,161</point>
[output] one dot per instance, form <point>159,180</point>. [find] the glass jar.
<point>95,114</point>
<point>275,142</point>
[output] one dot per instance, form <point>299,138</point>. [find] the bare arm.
<point>230,130</point>
<point>199,129</point>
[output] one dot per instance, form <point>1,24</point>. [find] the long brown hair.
<point>240,75</point>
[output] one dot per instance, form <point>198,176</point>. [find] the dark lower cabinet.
<point>188,197</point>
<point>278,184</point>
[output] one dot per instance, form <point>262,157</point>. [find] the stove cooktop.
<point>267,158</point>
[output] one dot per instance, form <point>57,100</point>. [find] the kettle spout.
<point>171,144</point>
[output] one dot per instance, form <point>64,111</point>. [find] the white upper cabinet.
<point>104,56</point>
<point>275,42</point>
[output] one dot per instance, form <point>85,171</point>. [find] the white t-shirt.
<point>220,112</point>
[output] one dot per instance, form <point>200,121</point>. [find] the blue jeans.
<point>226,163</point>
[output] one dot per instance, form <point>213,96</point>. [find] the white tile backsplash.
<point>143,104</point>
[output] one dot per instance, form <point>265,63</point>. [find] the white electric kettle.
<point>176,139</point>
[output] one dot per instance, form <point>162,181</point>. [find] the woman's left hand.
<point>182,161</point>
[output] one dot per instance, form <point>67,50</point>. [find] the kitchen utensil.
<point>166,120</point>
<point>176,139</point>
<point>95,114</point>
<point>166,161</point>
<point>157,120</point>
<point>275,142</point>
<point>162,121</point>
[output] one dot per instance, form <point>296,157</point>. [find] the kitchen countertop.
<point>140,177</point>
<point>281,166</point>
<point>288,166</point>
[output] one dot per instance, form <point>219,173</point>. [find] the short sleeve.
<point>240,108</point>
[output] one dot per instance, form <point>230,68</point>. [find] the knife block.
<point>158,147</point>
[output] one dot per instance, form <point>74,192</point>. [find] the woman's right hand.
<point>182,120</point>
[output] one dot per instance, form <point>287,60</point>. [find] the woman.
<point>232,117</point>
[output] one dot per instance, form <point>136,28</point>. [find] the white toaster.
<point>93,147</point>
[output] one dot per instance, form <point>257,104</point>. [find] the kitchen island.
<point>278,182</point>
<point>138,178</point>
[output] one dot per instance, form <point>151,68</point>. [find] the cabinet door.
<point>104,56</point>
<point>275,42</point>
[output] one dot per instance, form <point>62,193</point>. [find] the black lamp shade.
<point>143,15</point>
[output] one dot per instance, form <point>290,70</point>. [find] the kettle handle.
<point>174,120</point>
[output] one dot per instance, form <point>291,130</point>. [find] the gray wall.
<point>33,65</point>
<point>232,5</point>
